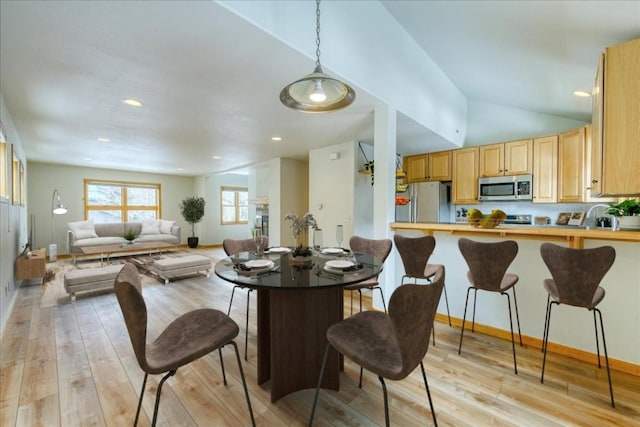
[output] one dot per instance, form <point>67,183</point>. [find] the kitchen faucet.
<point>592,208</point>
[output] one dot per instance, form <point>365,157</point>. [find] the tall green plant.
<point>192,210</point>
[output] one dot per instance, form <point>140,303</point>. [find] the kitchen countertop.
<point>575,236</point>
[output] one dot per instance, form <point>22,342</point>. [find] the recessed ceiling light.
<point>132,102</point>
<point>179,169</point>
<point>88,159</point>
<point>276,138</point>
<point>582,93</point>
<point>104,139</point>
<point>216,157</point>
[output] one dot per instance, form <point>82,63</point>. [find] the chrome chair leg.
<point>246,326</point>
<point>233,290</point>
<point>446,301</point>
<point>475,298</point>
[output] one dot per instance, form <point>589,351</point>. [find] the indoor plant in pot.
<point>300,228</point>
<point>628,213</point>
<point>192,210</point>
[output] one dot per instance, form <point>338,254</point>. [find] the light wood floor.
<point>73,364</point>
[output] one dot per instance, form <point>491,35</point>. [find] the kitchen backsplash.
<point>551,210</point>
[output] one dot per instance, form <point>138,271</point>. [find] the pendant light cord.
<point>318,34</point>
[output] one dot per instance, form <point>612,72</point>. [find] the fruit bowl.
<point>485,222</point>
<point>477,219</point>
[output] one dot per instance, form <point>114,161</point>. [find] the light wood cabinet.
<point>428,167</point>
<point>465,176</point>
<point>571,162</point>
<point>615,149</point>
<point>589,151</point>
<point>416,168</point>
<point>509,158</point>
<point>32,267</point>
<point>545,169</point>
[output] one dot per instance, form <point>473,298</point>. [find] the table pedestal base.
<point>292,328</point>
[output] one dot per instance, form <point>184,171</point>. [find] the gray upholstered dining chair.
<point>576,276</point>
<point>380,249</point>
<point>187,338</point>
<point>415,253</point>
<point>390,345</point>
<point>488,264</point>
<point>233,247</point>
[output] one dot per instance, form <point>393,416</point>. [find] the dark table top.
<point>285,274</point>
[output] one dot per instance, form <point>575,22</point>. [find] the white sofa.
<point>86,233</point>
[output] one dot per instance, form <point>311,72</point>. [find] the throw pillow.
<point>150,226</point>
<point>82,229</point>
<point>165,226</point>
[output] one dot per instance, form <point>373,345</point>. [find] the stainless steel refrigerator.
<point>429,202</point>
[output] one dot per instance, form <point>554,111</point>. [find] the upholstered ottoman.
<point>90,279</point>
<point>167,268</point>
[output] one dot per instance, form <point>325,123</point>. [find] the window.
<point>234,205</point>
<point>15,178</point>
<point>121,201</point>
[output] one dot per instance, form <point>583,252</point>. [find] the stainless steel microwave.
<point>515,187</point>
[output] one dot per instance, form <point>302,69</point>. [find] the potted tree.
<point>628,213</point>
<point>192,210</point>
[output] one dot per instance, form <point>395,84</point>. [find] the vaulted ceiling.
<point>210,80</point>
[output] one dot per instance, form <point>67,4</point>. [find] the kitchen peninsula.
<point>621,283</point>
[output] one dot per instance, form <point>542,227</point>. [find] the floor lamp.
<point>57,208</point>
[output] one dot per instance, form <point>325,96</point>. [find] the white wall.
<point>13,223</point>
<point>491,123</point>
<point>69,180</point>
<point>213,231</point>
<point>332,189</point>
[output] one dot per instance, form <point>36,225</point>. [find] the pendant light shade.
<point>317,92</point>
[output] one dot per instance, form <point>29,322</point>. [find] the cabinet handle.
<point>594,181</point>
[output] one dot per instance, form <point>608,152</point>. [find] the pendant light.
<point>317,92</point>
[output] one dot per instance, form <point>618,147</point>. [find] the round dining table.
<point>297,302</point>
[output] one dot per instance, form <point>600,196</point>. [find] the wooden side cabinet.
<point>31,268</point>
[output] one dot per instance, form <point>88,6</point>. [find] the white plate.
<point>259,263</point>
<point>332,251</point>
<point>338,264</point>
<point>279,250</point>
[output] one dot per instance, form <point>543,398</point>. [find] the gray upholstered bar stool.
<point>232,247</point>
<point>415,253</point>
<point>488,264</point>
<point>379,248</point>
<point>577,274</point>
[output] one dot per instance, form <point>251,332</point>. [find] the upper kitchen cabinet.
<point>464,187</point>
<point>545,169</point>
<point>509,158</point>
<point>615,148</point>
<point>428,167</point>
<point>571,166</point>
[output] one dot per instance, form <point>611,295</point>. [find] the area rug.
<point>53,292</point>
